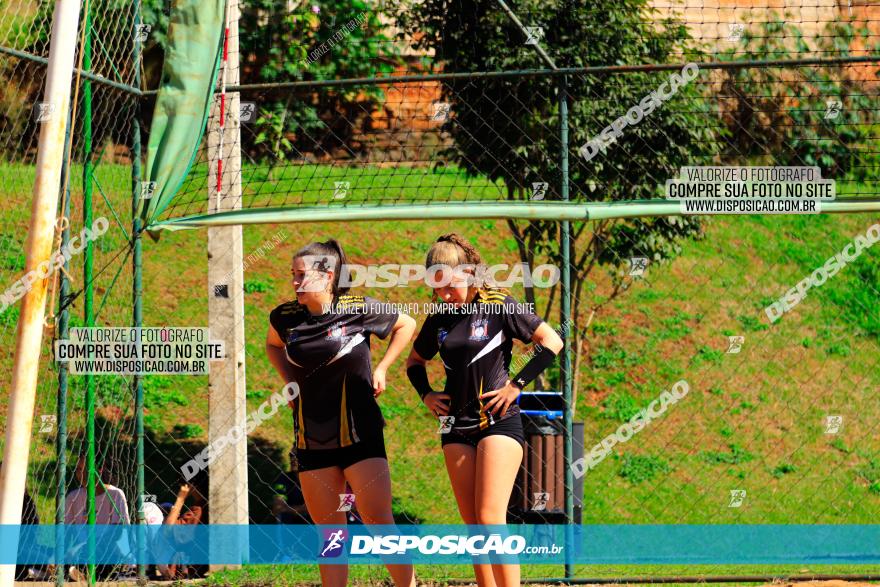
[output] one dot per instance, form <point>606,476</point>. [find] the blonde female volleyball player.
<point>321,340</point>
<point>483,450</point>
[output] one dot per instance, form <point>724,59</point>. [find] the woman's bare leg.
<point>370,481</point>
<point>461,463</point>
<point>321,489</point>
<point>498,462</point>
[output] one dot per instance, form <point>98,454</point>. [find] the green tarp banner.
<point>192,59</point>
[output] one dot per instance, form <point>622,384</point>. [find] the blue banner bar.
<point>448,544</point>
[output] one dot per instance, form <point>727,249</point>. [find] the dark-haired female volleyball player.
<point>321,340</point>
<point>483,450</point>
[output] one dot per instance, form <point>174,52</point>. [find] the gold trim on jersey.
<point>344,435</point>
<point>286,318</point>
<point>491,295</point>
<point>347,433</point>
<point>301,432</point>
<point>350,300</point>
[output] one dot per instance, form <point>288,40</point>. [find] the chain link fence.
<point>94,287</point>
<point>778,425</point>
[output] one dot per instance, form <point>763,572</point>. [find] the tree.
<point>283,41</point>
<point>508,128</point>
<point>788,116</point>
<point>296,40</point>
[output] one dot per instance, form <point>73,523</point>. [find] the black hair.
<point>330,257</point>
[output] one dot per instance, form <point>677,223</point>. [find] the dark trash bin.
<point>539,492</point>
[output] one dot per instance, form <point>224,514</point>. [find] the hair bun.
<point>470,252</point>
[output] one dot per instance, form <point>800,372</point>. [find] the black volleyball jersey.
<point>330,355</point>
<point>475,346</point>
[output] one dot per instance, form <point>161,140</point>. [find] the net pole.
<point>137,296</point>
<point>29,333</point>
<point>88,268</point>
<point>61,407</point>
<point>565,301</point>
<point>227,406</point>
<point>565,319</point>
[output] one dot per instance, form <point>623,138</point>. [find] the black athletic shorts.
<point>344,457</point>
<point>510,426</point>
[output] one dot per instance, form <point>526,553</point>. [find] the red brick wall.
<point>403,129</point>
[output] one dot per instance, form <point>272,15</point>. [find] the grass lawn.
<point>752,421</point>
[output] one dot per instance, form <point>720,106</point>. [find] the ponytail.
<point>341,265</point>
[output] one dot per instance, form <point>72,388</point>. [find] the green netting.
<point>183,100</point>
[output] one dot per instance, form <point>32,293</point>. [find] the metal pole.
<point>512,16</point>
<point>61,408</point>
<point>549,210</point>
<point>565,317</point>
<point>88,310</point>
<point>137,293</point>
<point>565,300</point>
<point>520,73</point>
<point>83,74</point>
<point>29,334</point>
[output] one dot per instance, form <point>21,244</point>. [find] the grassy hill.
<point>753,421</point>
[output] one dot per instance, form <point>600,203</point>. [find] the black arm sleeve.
<point>542,359</point>
<point>418,376</point>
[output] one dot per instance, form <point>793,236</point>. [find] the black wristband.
<point>418,376</point>
<point>540,361</point>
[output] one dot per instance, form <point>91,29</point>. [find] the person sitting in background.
<point>153,516</point>
<point>196,512</point>
<point>111,508</point>
<point>165,508</point>
<point>181,513</point>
